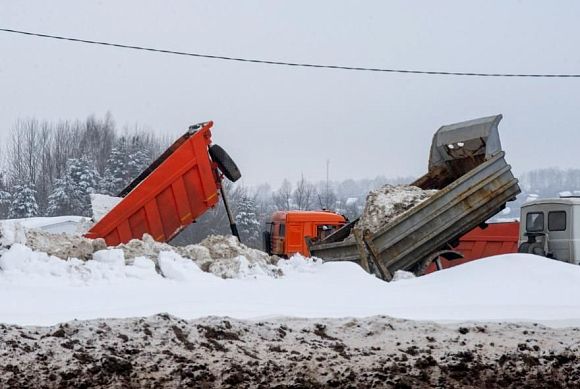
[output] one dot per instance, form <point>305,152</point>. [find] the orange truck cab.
<point>286,233</point>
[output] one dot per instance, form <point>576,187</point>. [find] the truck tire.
<point>225,163</point>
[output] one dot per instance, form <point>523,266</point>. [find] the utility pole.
<point>327,183</point>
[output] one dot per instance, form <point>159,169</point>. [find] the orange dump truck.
<point>175,190</point>
<point>287,231</point>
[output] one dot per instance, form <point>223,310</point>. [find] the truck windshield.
<point>535,222</point>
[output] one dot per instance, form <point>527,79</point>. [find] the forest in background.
<point>50,169</point>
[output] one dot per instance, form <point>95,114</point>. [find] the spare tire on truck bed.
<point>225,163</point>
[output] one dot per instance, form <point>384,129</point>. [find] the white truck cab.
<point>551,227</point>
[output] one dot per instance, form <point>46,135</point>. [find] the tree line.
<point>50,169</point>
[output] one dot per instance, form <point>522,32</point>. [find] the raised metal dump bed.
<point>475,182</point>
<point>176,189</point>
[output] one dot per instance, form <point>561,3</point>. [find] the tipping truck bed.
<point>176,189</point>
<point>468,167</point>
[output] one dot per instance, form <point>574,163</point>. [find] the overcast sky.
<point>280,122</point>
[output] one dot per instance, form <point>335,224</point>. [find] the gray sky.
<point>280,122</point>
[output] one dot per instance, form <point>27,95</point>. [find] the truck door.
<point>278,233</point>
<point>559,233</point>
<point>295,239</point>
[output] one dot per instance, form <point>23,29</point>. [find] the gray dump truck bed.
<point>468,167</point>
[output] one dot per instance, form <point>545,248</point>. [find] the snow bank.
<point>40,289</point>
<point>75,225</point>
<point>388,202</point>
<point>223,256</point>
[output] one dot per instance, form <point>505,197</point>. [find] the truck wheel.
<point>225,163</point>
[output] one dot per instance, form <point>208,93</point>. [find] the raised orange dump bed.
<point>170,194</point>
<point>495,239</point>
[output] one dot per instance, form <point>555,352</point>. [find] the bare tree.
<point>96,142</point>
<point>283,196</point>
<point>326,196</point>
<point>303,195</point>
<point>23,152</point>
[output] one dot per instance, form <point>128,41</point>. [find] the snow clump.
<point>223,256</point>
<point>385,204</point>
<point>228,258</point>
<point>101,204</point>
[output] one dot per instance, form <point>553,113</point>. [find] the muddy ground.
<point>165,352</point>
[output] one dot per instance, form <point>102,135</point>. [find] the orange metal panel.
<point>138,223</point>
<point>168,211</point>
<point>154,221</point>
<point>182,202</point>
<point>124,230</point>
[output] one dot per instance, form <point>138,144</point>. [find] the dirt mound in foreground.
<point>165,352</point>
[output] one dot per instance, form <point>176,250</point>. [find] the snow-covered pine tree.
<point>139,159</point>
<point>116,174</point>
<point>247,221</point>
<point>60,200</point>
<point>71,192</point>
<point>5,198</point>
<point>126,161</point>
<point>23,203</point>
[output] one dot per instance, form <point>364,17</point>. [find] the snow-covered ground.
<point>223,278</point>
<point>43,290</point>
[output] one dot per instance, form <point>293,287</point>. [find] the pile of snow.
<point>403,275</point>
<point>39,289</point>
<point>64,246</point>
<point>388,202</point>
<point>228,258</point>
<point>37,234</point>
<point>223,256</point>
<point>146,247</point>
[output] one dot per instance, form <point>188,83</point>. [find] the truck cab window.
<point>535,222</point>
<point>557,221</point>
<point>325,230</point>
<point>282,230</point>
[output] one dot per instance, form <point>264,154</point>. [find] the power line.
<point>295,64</point>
